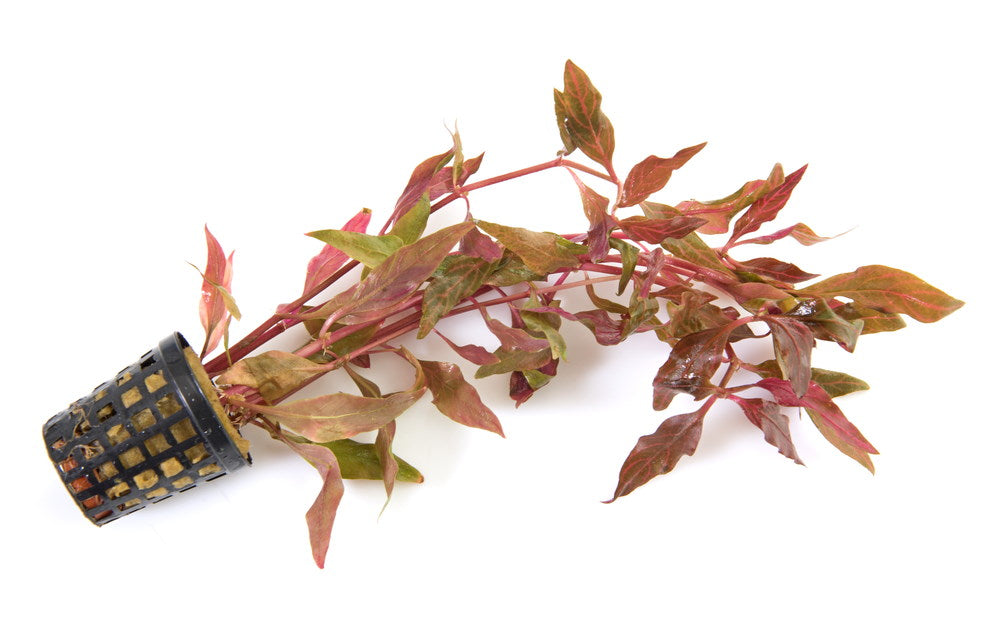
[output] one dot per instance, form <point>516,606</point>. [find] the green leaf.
<point>694,250</point>
<point>274,374</point>
<point>542,252</point>
<point>888,289</point>
<point>368,249</point>
<point>396,279</point>
<point>826,324</point>
<point>511,270</point>
<point>360,461</point>
<point>411,224</point>
<point>457,278</point>
<point>515,360</point>
<point>457,399</point>
<point>581,122</point>
<point>873,320</point>
<point>630,256</point>
<point>539,322</point>
<point>658,453</point>
<point>835,383</point>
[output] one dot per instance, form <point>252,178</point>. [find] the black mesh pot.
<point>154,430</point>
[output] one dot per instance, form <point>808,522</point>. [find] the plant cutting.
<point>691,273</point>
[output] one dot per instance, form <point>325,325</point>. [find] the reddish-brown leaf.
<point>476,354</point>
<point>888,289</point>
<point>330,259</point>
<point>818,400</point>
<point>606,330</point>
<point>793,343</point>
<point>652,174</point>
<point>457,399</point>
<point>767,207</point>
<point>656,230</point>
<point>458,277</point>
<point>383,447</point>
<point>768,417</point>
<point>826,324</point>
<point>595,207</point>
<point>691,365</point>
<point>322,513</point>
<point>581,122</point>
<point>658,453</point>
<point>776,269</point>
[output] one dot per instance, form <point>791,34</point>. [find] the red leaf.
<point>658,453</point>
<point>819,402</point>
<point>478,245</point>
<point>800,232</point>
<point>768,417</point>
<point>212,308</point>
<point>582,124</point>
<point>420,182</point>
<point>793,343</point>
<point>321,515</point>
<point>330,259</point>
<point>767,207</point>
<point>652,174</point>
<point>718,213</point>
<point>656,230</point>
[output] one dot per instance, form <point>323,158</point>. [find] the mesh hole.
<point>209,469</point>
<point>159,492</point>
<point>58,443</point>
<point>106,412</point>
<point>91,449</point>
<point>102,515</point>
<point>131,457</point>
<point>118,490</point>
<point>167,405</point>
<point>131,397</point>
<point>182,482</point>
<point>147,479</point>
<point>148,361</point>
<point>129,504</point>
<point>196,454</point>
<point>155,382</point>
<point>171,467</point>
<point>125,377</point>
<point>80,484</point>
<point>108,470</point>
<point>92,502</point>
<point>143,419</point>
<point>157,444</point>
<point>117,434</point>
<point>182,430</point>
<point>101,394</point>
<point>82,427</point>
<point>68,464</point>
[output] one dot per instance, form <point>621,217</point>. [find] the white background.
<point>124,127</point>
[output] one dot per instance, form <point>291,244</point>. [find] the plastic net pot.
<point>156,429</point>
